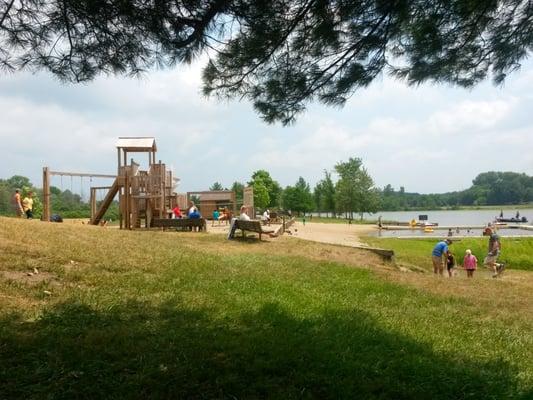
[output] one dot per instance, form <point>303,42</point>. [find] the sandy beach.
<point>347,235</point>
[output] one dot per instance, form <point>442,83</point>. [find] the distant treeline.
<point>352,192</point>
<point>488,188</point>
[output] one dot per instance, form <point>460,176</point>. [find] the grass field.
<point>517,253</point>
<point>116,314</point>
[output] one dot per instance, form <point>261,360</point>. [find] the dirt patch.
<point>30,278</point>
<point>75,266</point>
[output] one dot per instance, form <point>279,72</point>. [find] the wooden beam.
<point>80,174</point>
<point>93,203</point>
<point>101,187</point>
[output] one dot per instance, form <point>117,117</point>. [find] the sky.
<point>428,139</point>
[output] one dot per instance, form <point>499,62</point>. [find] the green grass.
<point>166,315</point>
<point>517,253</point>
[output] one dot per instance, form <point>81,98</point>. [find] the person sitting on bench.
<point>244,214</point>
<point>193,212</point>
<point>177,212</point>
<point>266,217</point>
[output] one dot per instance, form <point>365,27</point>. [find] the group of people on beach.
<point>442,255</point>
<point>23,207</point>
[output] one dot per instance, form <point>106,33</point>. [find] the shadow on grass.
<point>138,351</point>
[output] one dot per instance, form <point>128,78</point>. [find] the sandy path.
<point>347,235</point>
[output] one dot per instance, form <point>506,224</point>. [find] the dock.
<point>454,227</point>
<point>455,238</point>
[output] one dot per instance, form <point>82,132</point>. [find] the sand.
<point>344,234</point>
<point>347,235</point>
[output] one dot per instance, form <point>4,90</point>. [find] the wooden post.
<point>46,195</point>
<point>127,224</point>
<point>93,203</point>
<point>234,201</point>
<point>120,211</point>
<point>118,156</point>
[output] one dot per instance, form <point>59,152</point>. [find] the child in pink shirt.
<point>470,263</point>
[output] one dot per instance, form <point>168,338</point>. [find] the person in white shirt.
<point>266,217</point>
<point>244,215</point>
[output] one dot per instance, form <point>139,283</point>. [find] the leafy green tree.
<point>328,190</point>
<point>289,198</point>
<point>503,187</point>
<point>318,198</point>
<point>216,186</point>
<point>355,190</point>
<point>273,187</point>
<point>19,182</point>
<point>261,197</point>
<point>304,194</point>
<point>279,54</point>
<point>238,188</point>
<point>298,198</point>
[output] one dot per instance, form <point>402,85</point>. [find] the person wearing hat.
<point>439,256</point>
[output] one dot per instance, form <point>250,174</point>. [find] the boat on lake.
<point>514,220</point>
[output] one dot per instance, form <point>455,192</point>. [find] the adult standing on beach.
<point>17,204</point>
<point>439,256</point>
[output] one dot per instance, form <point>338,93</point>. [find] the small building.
<point>209,201</point>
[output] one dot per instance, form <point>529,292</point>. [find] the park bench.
<point>252,226</point>
<point>180,223</point>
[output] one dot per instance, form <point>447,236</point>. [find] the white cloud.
<point>469,116</point>
<point>406,136</point>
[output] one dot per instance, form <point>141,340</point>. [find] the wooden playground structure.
<point>143,196</point>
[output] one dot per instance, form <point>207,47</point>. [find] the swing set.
<point>144,196</point>
<point>48,174</point>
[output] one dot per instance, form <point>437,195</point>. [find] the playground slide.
<point>113,190</point>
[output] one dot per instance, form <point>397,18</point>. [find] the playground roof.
<point>132,144</point>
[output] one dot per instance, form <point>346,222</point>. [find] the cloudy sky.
<point>429,139</point>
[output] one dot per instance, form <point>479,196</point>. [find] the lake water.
<point>455,218</point>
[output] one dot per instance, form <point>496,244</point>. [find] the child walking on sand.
<point>470,263</point>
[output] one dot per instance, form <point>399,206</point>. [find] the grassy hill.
<point>117,314</point>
